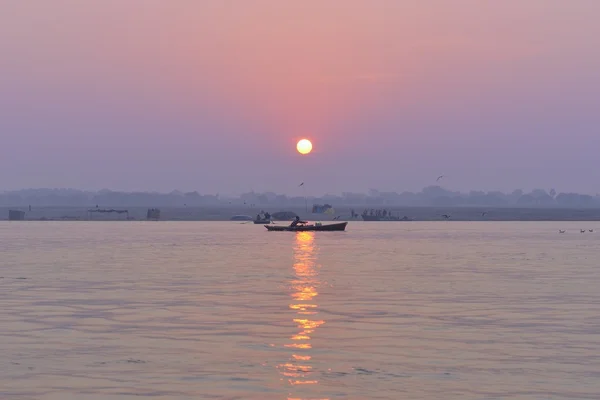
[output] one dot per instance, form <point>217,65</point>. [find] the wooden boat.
<point>304,228</point>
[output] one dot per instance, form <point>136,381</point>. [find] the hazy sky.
<point>212,95</point>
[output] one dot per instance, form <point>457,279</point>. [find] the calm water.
<point>189,310</point>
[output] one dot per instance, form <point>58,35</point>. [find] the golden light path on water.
<point>298,369</point>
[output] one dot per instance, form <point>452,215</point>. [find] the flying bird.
<point>483,213</point>
<point>302,184</point>
<point>561,231</point>
<point>446,216</point>
<point>440,177</point>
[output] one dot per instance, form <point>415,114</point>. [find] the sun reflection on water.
<point>298,369</point>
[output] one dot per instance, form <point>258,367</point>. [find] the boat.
<point>341,226</point>
<point>381,218</point>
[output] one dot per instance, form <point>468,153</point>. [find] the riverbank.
<point>225,213</point>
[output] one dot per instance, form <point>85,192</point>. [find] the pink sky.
<point>212,95</point>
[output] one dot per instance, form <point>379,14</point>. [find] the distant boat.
<point>241,218</point>
<point>367,217</point>
<point>305,228</point>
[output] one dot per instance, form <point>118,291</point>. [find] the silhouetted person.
<point>296,221</point>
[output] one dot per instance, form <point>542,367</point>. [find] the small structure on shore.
<point>109,211</point>
<point>153,213</point>
<point>321,208</point>
<point>16,215</point>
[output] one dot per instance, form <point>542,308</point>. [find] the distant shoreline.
<point>215,213</point>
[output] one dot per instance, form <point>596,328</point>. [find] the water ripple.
<point>222,311</point>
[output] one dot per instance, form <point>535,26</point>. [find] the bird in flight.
<point>440,177</point>
<point>446,216</point>
<point>302,184</point>
<point>483,213</point>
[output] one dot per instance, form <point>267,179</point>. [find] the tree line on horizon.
<point>435,196</point>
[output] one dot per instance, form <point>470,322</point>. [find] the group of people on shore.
<point>266,216</point>
<point>377,213</point>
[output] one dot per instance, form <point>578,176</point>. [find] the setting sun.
<point>304,146</point>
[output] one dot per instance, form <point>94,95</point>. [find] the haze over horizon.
<point>212,96</point>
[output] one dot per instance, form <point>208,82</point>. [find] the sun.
<point>304,146</point>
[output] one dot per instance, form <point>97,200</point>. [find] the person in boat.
<point>296,221</point>
<point>267,216</point>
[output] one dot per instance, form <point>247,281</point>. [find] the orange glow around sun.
<point>304,146</point>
